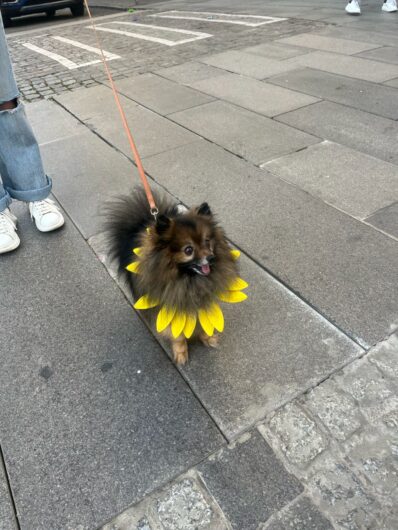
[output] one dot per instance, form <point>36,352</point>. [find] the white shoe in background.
<point>389,6</point>
<point>353,8</point>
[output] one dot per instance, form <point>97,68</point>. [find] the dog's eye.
<point>188,251</point>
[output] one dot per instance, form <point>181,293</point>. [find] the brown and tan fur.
<point>174,253</point>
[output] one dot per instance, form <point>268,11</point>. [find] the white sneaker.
<point>389,6</point>
<point>353,7</point>
<point>9,239</point>
<point>46,214</point>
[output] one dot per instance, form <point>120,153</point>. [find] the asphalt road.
<point>63,16</point>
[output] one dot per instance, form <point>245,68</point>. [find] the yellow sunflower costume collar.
<point>210,318</point>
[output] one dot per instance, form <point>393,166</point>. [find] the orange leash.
<point>136,155</point>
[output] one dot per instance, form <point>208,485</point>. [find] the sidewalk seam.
<point>9,488</point>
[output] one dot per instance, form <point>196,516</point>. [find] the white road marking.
<point>225,18</point>
<point>59,58</point>
<point>196,34</point>
<point>97,51</point>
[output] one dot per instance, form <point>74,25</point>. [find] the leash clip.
<point>154,212</point>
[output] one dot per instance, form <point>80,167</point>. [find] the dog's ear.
<point>163,223</point>
<point>204,209</point>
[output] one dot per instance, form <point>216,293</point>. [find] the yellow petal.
<point>148,230</point>
<point>216,317</point>
<point>145,303</point>
<point>232,297</point>
<point>137,251</point>
<point>133,267</point>
<point>165,316</point>
<point>178,324</point>
<point>190,325</point>
<point>204,320</point>
<point>237,285</point>
<point>235,254</point>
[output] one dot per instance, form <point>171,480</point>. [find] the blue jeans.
<point>21,168</point>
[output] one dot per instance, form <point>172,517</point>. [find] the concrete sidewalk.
<point>291,136</point>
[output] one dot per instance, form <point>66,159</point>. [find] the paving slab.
<point>249,64</point>
<point>328,44</point>
<point>393,83</point>
<point>336,63</point>
<point>161,95</point>
<point>253,95</point>
<point>363,95</point>
<point>184,504</point>
<point>189,72</point>
<point>248,482</point>
<point>386,219</point>
<point>386,54</point>
<point>300,515</point>
<point>84,389</point>
<point>86,172</point>
<point>7,516</point>
<point>341,266</point>
<point>51,122</point>
<point>273,50</point>
<point>356,183</point>
<point>361,34</point>
<point>247,134</point>
<point>353,128</point>
<point>152,133</point>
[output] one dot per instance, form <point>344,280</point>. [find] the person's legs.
<point>21,168</point>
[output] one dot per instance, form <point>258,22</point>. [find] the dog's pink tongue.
<point>206,269</point>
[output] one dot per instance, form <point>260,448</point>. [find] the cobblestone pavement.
<point>39,76</point>
<point>340,440</point>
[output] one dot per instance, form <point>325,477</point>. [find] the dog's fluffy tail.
<point>125,218</point>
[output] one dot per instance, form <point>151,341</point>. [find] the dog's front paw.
<point>180,352</point>
<point>210,342</point>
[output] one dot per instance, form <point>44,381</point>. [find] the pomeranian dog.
<point>178,266</point>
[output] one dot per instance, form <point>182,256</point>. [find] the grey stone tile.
<point>152,133</point>
<point>93,413</point>
<point>184,504</point>
<point>393,83</point>
<point>50,122</point>
<point>248,482</point>
<point>161,95</point>
<point>299,437</point>
<point>337,410</point>
<point>387,54</point>
<point>300,515</point>
<point>343,267</point>
<point>340,494</point>
<point>254,95</point>
<point>354,128</point>
<point>7,516</point>
<point>361,34</point>
<point>249,64</point>
<point>253,137</point>
<point>273,50</point>
<point>345,65</point>
<point>328,44</point>
<point>190,72</point>
<point>363,95</point>
<point>86,172</point>
<point>354,182</point>
<point>386,219</point>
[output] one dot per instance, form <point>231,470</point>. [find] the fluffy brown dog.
<point>183,263</point>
